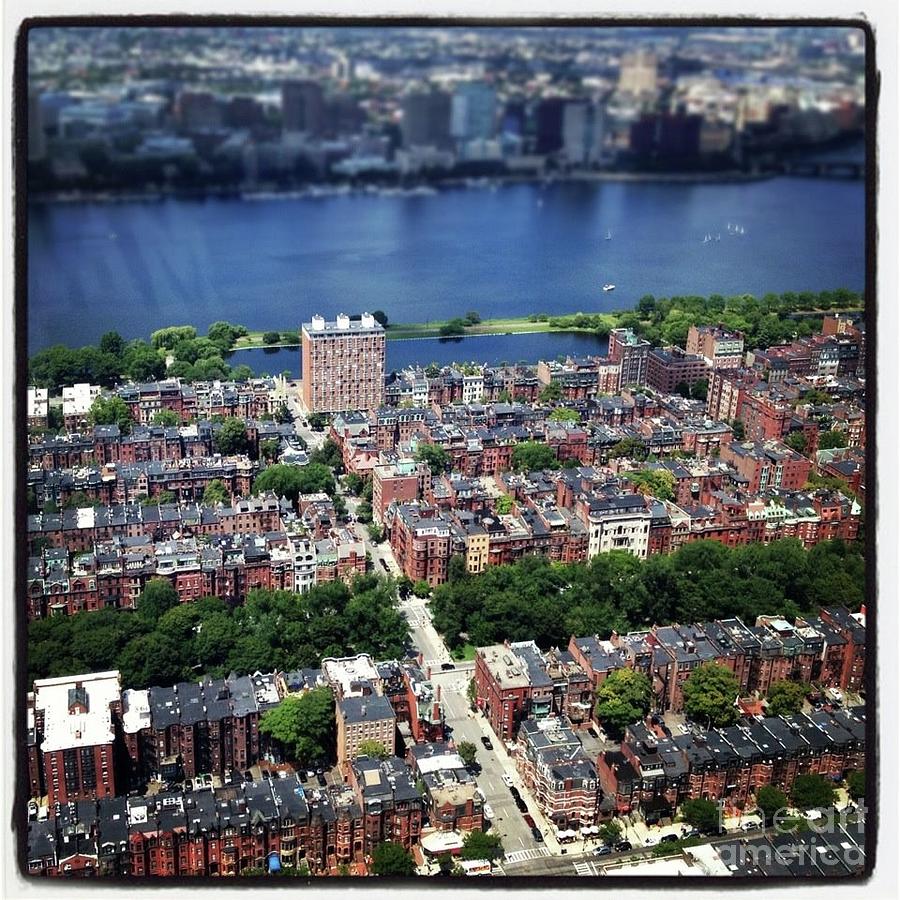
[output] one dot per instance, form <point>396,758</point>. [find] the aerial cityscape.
<point>446,452</point>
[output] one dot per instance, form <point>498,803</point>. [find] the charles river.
<point>511,251</point>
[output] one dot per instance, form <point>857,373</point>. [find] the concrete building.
<point>74,731</point>
<point>719,346</point>
<point>617,523</point>
<point>77,402</point>
<point>403,481</point>
<point>366,718</point>
<point>473,111</point>
<point>632,353</point>
<point>37,407</point>
<point>583,133</point>
<point>638,73</point>
<point>342,364</point>
<point>670,366</point>
<point>302,108</point>
<point>426,119</point>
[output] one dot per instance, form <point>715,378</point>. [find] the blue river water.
<point>520,249</point>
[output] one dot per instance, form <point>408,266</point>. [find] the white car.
<point>507,779</point>
<point>488,811</point>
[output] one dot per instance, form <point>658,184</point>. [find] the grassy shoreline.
<point>411,331</point>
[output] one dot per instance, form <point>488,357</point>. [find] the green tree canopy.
<point>812,792</point>
<point>373,749</point>
<point>658,483</point>
<point>709,695</point>
<point>531,456</point>
<point>215,492</point>
<point>157,597</point>
<point>271,337</point>
<point>702,814</point>
<point>785,698</point>
<point>550,393</point>
<point>167,338</point>
<point>111,410</point>
<point>434,456</point>
<point>564,414</point>
<point>467,752</point>
<point>830,440</point>
<point>291,481</point>
<point>796,440</point>
<point>380,316</point>
<point>623,699</point>
<point>479,845</point>
<point>629,448</point>
<point>224,334</point>
<point>770,800</point>
<point>390,858</point>
<point>232,437</point>
<point>856,784</point>
<point>166,417</point>
<point>304,725</point>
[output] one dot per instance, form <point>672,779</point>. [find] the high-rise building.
<point>582,132</point>
<point>426,119</point>
<point>549,125</point>
<point>473,111</point>
<point>37,140</point>
<point>302,107</point>
<point>198,111</point>
<point>632,353</point>
<point>342,364</point>
<point>637,73</point>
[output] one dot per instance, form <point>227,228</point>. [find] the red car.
<point>529,821</point>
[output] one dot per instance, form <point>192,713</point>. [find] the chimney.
<point>438,692</point>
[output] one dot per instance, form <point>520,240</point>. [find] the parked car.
<point>603,851</point>
<point>668,839</point>
<point>536,834</point>
<point>514,791</point>
<point>486,742</point>
<point>488,811</point>
<point>248,775</point>
<point>622,846</point>
<point>522,807</point>
<point>506,778</point>
<point>321,779</point>
<point>529,820</point>
<point>752,825</point>
<point>304,776</point>
<point>447,667</point>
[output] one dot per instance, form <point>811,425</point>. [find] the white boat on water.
<point>608,235</point>
<point>609,287</point>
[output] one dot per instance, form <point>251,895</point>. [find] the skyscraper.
<point>302,107</point>
<point>582,132</point>
<point>637,73</point>
<point>343,364</point>
<point>426,119</point>
<point>473,111</point>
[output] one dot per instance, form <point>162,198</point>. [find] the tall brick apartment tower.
<point>343,364</point>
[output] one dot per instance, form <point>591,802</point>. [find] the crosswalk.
<point>517,856</point>
<point>586,868</point>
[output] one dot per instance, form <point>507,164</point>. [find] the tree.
<point>551,393</point>
<point>812,792</point>
<point>769,800</point>
<point>478,845</point>
<point>658,483</point>
<point>563,414</point>
<point>215,492</point>
<point>329,454</point>
<point>737,428</point>
<point>435,456</point>
<point>283,415</point>
<point>785,698</point>
<point>504,505</point>
<point>471,692</point>
<point>699,389</point>
<point>304,725</point>
<point>472,317</point>
<point>702,814</point>
<point>232,437</point>
<point>380,316</point>
<point>224,334</point>
<point>364,512</point>
<point>163,498</point>
<point>392,859</point>
<point>111,410</point>
<point>453,328</point>
<point>166,417</point>
<point>610,831</point>
<point>375,532</point>
<point>271,337</point>
<point>856,784</point>
<point>291,481</point>
<point>796,440</point>
<point>318,421</point>
<point>683,389</point>
<point>467,752</point>
<point>167,338</point>
<point>374,749</point>
<point>629,448</point>
<point>113,343</point>
<point>623,699</point>
<point>157,597</point>
<point>709,695</point>
<point>530,456</point>
<point>831,440</point>
<point>268,449</point>
<point>421,588</point>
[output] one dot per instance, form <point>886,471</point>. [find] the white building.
<point>38,406</point>
<point>619,523</point>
